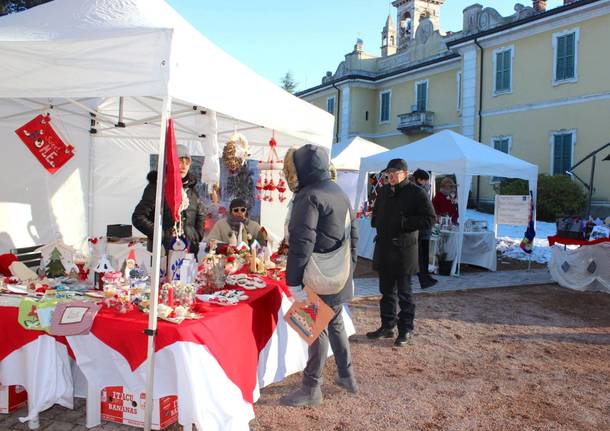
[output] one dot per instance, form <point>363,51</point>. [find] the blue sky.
<point>306,37</point>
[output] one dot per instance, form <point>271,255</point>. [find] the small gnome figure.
<point>130,263</point>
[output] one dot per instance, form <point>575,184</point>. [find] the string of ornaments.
<point>271,178</point>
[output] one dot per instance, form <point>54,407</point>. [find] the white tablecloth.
<point>585,268</point>
<point>42,367</point>
<point>479,248</point>
<point>207,398</point>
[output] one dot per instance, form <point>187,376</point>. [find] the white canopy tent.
<point>111,72</point>
<point>346,157</point>
<point>447,152</point>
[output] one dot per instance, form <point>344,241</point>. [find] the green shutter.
<point>561,58</point>
<point>570,55</point>
<point>385,106</point>
<point>567,151</point>
<point>557,144</point>
<point>507,66</point>
<point>499,69</point>
<point>422,96</point>
<point>566,57</point>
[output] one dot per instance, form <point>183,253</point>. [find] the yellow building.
<point>534,84</point>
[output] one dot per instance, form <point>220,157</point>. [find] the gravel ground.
<point>535,358</point>
<point>525,358</point>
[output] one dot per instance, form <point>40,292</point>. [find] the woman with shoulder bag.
<point>321,255</point>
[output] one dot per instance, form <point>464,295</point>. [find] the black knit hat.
<point>421,175</point>
<point>238,203</point>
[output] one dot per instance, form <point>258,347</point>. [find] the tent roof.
<point>346,155</point>
<point>109,48</point>
<point>447,152</point>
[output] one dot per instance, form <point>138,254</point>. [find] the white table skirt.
<point>42,367</point>
<point>575,273</point>
<point>479,248</point>
<point>207,398</point>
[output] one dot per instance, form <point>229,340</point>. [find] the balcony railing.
<point>416,122</point>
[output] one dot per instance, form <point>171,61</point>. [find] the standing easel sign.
<point>512,210</point>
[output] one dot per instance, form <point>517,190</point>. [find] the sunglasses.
<point>239,210</point>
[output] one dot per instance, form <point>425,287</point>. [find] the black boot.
<point>381,333</point>
<point>403,339</point>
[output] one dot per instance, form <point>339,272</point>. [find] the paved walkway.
<point>473,280</point>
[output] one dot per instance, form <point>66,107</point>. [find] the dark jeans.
<point>336,336</point>
<point>423,246</point>
<point>396,288</point>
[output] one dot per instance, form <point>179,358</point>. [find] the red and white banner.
<point>46,145</point>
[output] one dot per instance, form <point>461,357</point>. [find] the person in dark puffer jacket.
<point>317,224</point>
<point>193,217</point>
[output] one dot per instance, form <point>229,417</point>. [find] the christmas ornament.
<point>55,268</point>
<point>271,168</point>
<point>235,153</point>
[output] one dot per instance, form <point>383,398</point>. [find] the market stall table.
<point>583,268</point>
<point>215,365</point>
<point>479,248</point>
<point>37,361</point>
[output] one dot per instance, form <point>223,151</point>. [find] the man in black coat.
<point>318,224</point>
<point>400,211</point>
<point>193,217</point>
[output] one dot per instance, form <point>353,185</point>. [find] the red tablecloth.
<point>571,241</point>
<point>13,336</point>
<point>234,335</point>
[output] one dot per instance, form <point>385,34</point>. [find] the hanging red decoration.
<point>45,144</point>
<point>173,179</point>
<point>269,170</point>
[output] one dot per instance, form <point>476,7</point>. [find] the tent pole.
<point>156,265</point>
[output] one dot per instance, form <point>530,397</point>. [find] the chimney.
<point>540,5</point>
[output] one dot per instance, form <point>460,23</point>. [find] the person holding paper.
<point>231,225</point>
<point>321,221</point>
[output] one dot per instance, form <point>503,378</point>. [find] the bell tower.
<point>410,12</point>
<point>388,38</point>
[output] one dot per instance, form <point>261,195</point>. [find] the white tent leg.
<point>156,263</point>
<point>463,184</point>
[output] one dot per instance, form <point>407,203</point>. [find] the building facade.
<point>533,84</point>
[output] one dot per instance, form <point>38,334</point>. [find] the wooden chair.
<point>28,256</point>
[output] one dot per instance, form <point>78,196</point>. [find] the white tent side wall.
<point>35,206</point>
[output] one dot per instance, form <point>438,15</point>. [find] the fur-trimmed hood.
<point>306,166</point>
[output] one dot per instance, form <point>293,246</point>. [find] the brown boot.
<point>304,396</point>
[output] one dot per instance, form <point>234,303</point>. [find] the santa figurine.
<point>130,263</point>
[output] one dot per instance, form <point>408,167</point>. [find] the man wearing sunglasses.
<point>231,224</point>
<point>400,211</point>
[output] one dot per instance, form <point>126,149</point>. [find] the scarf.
<point>234,223</point>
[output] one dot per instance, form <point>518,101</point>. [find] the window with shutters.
<point>330,105</point>
<point>421,96</point>
<point>504,144</point>
<point>385,101</point>
<point>562,150</point>
<point>565,55</point>
<point>503,70</point>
